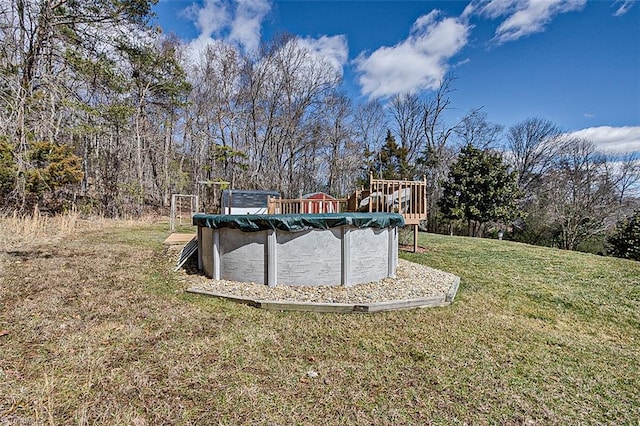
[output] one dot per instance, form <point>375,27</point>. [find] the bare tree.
<point>474,129</point>
<point>67,79</point>
<point>436,131</point>
<point>285,89</point>
<point>216,117</point>
<point>343,155</point>
<point>370,125</point>
<point>532,145</point>
<point>406,113</point>
<point>580,192</point>
<point>257,121</point>
<point>626,174</point>
<point>437,154</point>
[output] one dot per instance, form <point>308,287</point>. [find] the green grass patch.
<point>97,329</point>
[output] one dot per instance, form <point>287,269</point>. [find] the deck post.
<point>271,205</point>
<point>415,238</point>
<point>371,192</point>
<point>172,219</point>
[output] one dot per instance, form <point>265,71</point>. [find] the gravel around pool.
<point>412,281</point>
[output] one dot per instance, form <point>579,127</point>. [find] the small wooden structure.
<point>182,207</point>
<point>327,204</point>
<point>317,203</point>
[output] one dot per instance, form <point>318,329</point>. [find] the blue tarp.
<point>298,222</point>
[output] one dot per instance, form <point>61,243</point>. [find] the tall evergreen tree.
<point>392,161</point>
<point>479,188</point>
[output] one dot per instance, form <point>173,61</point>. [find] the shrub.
<point>7,168</point>
<point>625,241</point>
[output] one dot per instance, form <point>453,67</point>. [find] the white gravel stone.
<point>412,281</point>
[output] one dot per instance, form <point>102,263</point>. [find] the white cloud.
<point>496,8</point>
<point>246,25</point>
<point>612,139</point>
<point>525,17</point>
<point>417,63</point>
<point>238,22</point>
<point>624,7</point>
<point>210,18</point>
<point>333,49</point>
<point>469,10</point>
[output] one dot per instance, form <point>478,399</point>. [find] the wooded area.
<point>103,113</point>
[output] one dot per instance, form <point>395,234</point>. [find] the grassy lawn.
<point>95,328</point>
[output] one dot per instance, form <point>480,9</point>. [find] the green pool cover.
<point>298,222</point>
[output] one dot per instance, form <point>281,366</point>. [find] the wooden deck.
<point>405,197</point>
<point>178,238</point>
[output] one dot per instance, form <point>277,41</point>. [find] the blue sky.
<point>574,62</point>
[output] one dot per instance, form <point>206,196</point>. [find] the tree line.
<point>102,112</point>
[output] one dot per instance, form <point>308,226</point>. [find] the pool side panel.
<point>309,257</point>
<point>369,255</point>
<point>243,255</point>
<point>206,253</point>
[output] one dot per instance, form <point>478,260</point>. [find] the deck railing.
<point>405,197</point>
<point>399,196</point>
<point>306,205</point>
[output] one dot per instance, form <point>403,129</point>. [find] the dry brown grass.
<point>95,329</point>
<point>67,297</point>
<point>19,230</point>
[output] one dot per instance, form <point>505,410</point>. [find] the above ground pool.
<point>301,249</point>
